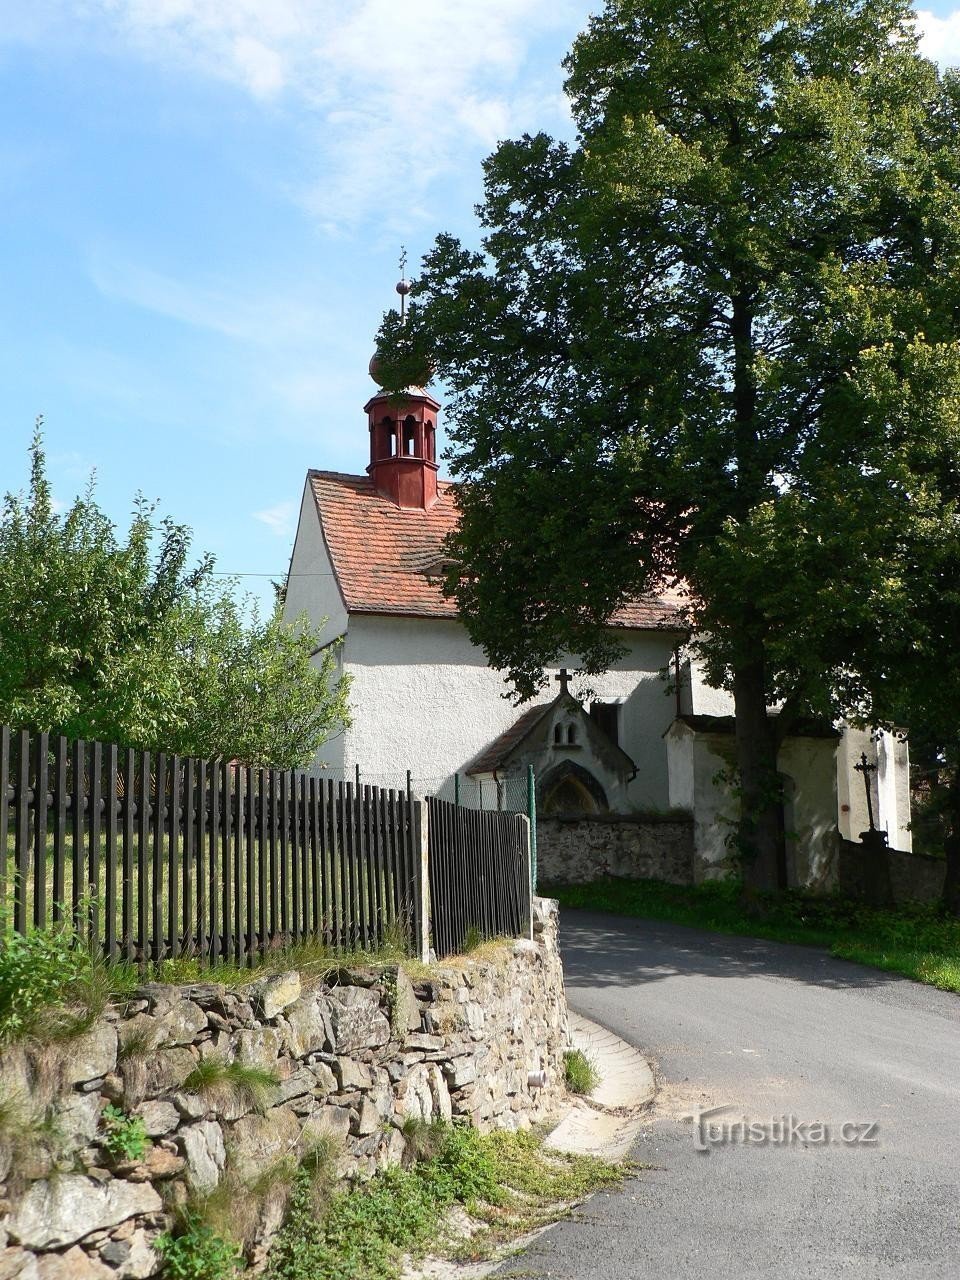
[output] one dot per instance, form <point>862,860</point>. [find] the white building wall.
<point>424,698</point>
<point>311,587</point>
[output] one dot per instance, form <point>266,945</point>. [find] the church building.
<point>368,559</point>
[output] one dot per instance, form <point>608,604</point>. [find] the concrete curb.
<point>607,1123</point>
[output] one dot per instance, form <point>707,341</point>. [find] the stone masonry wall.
<point>914,877</point>
<point>355,1058</point>
<point>579,850</point>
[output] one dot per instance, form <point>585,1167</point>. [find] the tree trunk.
<point>760,833</point>
<point>951,846</point>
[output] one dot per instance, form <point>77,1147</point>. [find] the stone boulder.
<point>66,1208</point>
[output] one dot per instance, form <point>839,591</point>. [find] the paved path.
<point>768,1030</point>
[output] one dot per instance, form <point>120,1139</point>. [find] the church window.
<point>558,735</point>
<point>409,427</point>
<point>571,735</point>
<point>606,716</point>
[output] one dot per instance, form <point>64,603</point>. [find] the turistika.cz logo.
<point>713,1129</point>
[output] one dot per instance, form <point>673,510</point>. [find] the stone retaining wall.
<point>914,877</point>
<point>356,1057</point>
<point>579,850</point>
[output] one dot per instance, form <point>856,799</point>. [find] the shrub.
<point>197,1253</point>
<point>40,969</point>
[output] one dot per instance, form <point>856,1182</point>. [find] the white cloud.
<point>390,93</point>
<point>279,519</point>
<point>940,37</point>
<point>275,321</point>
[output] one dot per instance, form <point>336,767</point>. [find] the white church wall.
<point>424,698</point>
<point>703,699</point>
<point>811,810</point>
<point>311,586</point>
<point>698,763</point>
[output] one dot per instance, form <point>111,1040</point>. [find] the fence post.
<point>532,818</point>
<point>456,789</point>
<point>421,833</point>
<point>523,823</point>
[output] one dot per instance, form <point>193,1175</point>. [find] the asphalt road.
<point>768,1031</point>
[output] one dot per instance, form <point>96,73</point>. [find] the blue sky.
<point>203,203</point>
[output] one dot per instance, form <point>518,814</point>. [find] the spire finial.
<point>403,286</point>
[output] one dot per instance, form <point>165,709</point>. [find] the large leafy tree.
<point>685,350</point>
<point>123,639</point>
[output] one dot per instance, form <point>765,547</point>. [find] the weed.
<point>196,1252</point>
<point>580,1072</point>
<point>125,1137</point>
<point>365,1232</point>
<point>232,1082</point>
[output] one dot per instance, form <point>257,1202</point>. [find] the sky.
<point>202,204</point>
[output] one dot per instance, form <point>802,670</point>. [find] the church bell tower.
<point>403,448</point>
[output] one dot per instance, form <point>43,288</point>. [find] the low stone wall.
<point>914,877</point>
<point>355,1058</point>
<point>579,850</point>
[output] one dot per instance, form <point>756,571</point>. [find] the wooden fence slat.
<point>250,874</point>
<point>22,836</point>
<point>143,835</point>
<point>128,817</point>
<point>213,876</point>
<point>263,821</point>
<point>110,862</point>
<point>40,770</point>
<point>282,851</point>
<point>158,824</point>
<point>173,820</point>
<point>92,889</point>
<point>316,917</point>
<point>336,875</point>
<point>273,852</point>
<point>188,859</point>
<point>5,797</point>
<point>296,904</point>
<point>227,950</point>
<point>238,868</point>
<point>200,866</point>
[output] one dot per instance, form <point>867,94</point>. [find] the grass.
<point>913,939</point>
<point>232,1083</point>
<point>506,1182</point>
<point>580,1072</point>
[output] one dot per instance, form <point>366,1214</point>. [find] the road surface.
<point>782,1037</point>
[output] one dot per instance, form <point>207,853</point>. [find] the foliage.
<point>364,1232</point>
<point>125,1137</point>
<point>714,342</point>
<point>914,939</point>
<point>580,1072</point>
<point>123,640</point>
<point>197,1253</point>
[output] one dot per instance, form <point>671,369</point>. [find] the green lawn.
<point>913,940</point>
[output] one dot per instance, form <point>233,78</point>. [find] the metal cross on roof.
<point>563,679</point>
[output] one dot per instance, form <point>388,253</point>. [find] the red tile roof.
<point>381,553</point>
<point>497,751</point>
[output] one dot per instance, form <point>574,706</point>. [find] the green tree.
<point>125,641</point>
<point>683,352</point>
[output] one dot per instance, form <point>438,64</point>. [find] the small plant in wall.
<point>580,1072</point>
<point>125,1138</point>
